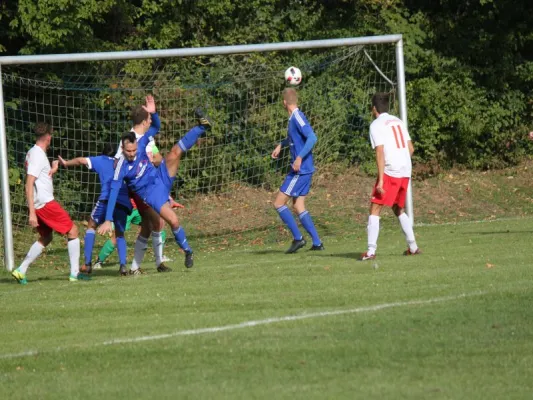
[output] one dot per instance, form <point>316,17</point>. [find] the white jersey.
<point>390,132</point>
<point>149,146</point>
<point>37,165</point>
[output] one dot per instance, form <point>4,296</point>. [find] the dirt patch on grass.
<point>340,198</point>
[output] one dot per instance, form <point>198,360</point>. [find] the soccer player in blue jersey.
<point>301,138</point>
<point>103,165</point>
<point>150,183</point>
<point>151,224</point>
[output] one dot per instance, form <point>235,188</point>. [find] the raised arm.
<point>154,127</point>
<point>156,123</point>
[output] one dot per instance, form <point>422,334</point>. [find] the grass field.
<point>251,322</point>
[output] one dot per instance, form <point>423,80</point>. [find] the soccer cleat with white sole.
<point>365,256</point>
<point>408,252</point>
<point>138,271</point>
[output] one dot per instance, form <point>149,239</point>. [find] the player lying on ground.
<point>46,215</point>
<point>301,138</point>
<point>153,184</point>
<point>103,165</point>
<point>393,146</point>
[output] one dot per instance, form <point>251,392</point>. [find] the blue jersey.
<point>139,174</point>
<point>301,138</point>
<point>104,167</point>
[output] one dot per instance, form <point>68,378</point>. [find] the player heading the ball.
<point>301,138</point>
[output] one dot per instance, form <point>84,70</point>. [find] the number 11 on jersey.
<point>396,133</point>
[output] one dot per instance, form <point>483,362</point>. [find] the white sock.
<point>141,244</point>
<point>407,229</point>
<point>157,245</point>
<point>35,251</point>
<point>373,233</point>
<point>74,255</point>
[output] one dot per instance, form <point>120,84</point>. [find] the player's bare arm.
<point>411,147</point>
<point>30,182</point>
<point>380,161</point>
<point>75,162</point>
<point>54,168</point>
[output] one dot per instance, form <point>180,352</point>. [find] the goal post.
<point>5,61</point>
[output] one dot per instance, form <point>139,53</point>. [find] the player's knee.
<point>176,151</point>
<point>397,210</point>
<point>73,233</point>
<point>46,240</point>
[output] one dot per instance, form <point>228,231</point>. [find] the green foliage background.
<point>469,64</point>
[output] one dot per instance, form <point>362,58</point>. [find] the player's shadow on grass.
<point>506,232</point>
<point>269,251</point>
<point>325,253</point>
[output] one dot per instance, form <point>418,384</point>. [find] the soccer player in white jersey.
<point>45,214</point>
<point>392,143</point>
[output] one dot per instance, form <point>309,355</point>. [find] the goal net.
<point>89,103</point>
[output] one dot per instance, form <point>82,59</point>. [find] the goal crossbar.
<point>9,260</point>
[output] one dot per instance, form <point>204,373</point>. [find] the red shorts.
<point>139,203</point>
<point>395,192</point>
<point>52,217</point>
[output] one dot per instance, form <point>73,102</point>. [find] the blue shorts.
<point>120,215</point>
<point>158,192</point>
<point>296,185</point>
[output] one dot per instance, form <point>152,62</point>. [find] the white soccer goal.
<point>87,98</point>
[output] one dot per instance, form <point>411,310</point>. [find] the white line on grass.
<point>247,324</point>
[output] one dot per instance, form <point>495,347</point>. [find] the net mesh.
<point>88,104</point>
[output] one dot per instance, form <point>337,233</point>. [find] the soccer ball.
<point>293,76</point>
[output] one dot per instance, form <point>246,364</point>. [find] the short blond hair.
<point>290,96</point>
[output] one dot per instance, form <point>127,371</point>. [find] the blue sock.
<point>121,248</point>
<point>89,245</point>
<point>181,239</point>
<point>307,223</point>
<point>191,137</point>
<point>288,219</point>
